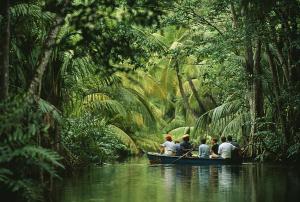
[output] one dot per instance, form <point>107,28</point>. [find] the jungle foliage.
<point>88,81</point>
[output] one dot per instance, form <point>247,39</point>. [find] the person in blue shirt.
<point>204,150</point>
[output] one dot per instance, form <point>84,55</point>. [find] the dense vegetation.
<point>91,81</point>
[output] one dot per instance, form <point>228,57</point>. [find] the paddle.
<point>182,156</point>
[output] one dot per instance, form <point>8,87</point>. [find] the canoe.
<point>156,158</point>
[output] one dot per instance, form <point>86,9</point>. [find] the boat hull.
<point>156,158</point>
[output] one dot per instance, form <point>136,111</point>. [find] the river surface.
<point>137,181</point>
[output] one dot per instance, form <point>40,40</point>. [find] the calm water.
<point>137,181</point>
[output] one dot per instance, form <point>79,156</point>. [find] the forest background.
<point>89,81</point>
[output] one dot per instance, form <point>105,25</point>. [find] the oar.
<point>182,156</point>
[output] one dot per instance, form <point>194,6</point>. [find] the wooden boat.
<point>156,158</point>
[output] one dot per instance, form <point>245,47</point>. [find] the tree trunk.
<point>233,16</point>
<point>44,58</point>
<point>277,92</point>
<point>4,49</point>
<point>254,72</point>
<point>274,72</point>
<point>256,98</point>
<point>257,82</point>
<point>181,89</point>
<point>200,104</point>
<point>249,66</point>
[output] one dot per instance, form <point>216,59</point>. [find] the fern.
<point>229,117</point>
<point>30,10</point>
<point>21,124</point>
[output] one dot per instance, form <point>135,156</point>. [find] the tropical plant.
<point>25,164</point>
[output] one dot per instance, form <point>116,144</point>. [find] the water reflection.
<point>139,181</point>
<point>194,183</point>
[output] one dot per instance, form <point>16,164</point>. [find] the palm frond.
<point>234,126</point>
<point>124,137</point>
<point>179,132</point>
<point>39,153</point>
<point>46,107</point>
<point>144,108</point>
<point>30,10</point>
<point>105,107</point>
<point>222,118</point>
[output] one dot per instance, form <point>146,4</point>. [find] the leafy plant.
<point>23,160</point>
<point>92,140</point>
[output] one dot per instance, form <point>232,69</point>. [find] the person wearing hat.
<point>185,146</point>
<point>168,147</point>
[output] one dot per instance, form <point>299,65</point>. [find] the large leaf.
<point>124,137</point>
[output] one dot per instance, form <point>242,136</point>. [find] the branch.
<point>35,86</point>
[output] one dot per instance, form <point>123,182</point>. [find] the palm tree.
<point>173,43</point>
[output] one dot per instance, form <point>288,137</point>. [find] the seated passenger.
<point>214,148</point>
<point>203,149</point>
<point>185,146</point>
<point>168,147</point>
<point>225,149</point>
<point>229,138</point>
<point>236,152</point>
<point>177,148</point>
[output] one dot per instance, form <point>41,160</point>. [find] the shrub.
<point>22,160</point>
<point>91,141</point>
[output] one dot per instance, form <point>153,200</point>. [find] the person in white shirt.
<point>203,149</point>
<point>168,146</point>
<point>225,149</point>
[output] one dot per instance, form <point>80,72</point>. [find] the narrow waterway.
<point>137,181</point>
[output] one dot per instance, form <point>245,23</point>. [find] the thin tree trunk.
<point>274,73</point>
<point>233,15</point>
<point>252,66</point>
<point>284,63</point>
<point>279,104</point>
<point>256,92</point>
<point>196,94</point>
<point>294,52</point>
<point>249,68</point>
<point>254,72</point>
<point>181,89</point>
<point>44,58</point>
<point>258,88</point>
<point>4,49</point>
<point>295,77</point>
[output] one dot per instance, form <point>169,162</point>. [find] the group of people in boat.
<point>228,149</point>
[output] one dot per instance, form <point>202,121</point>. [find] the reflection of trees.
<point>253,182</point>
<point>213,178</point>
<point>184,177</point>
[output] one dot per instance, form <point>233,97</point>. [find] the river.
<point>137,181</point>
